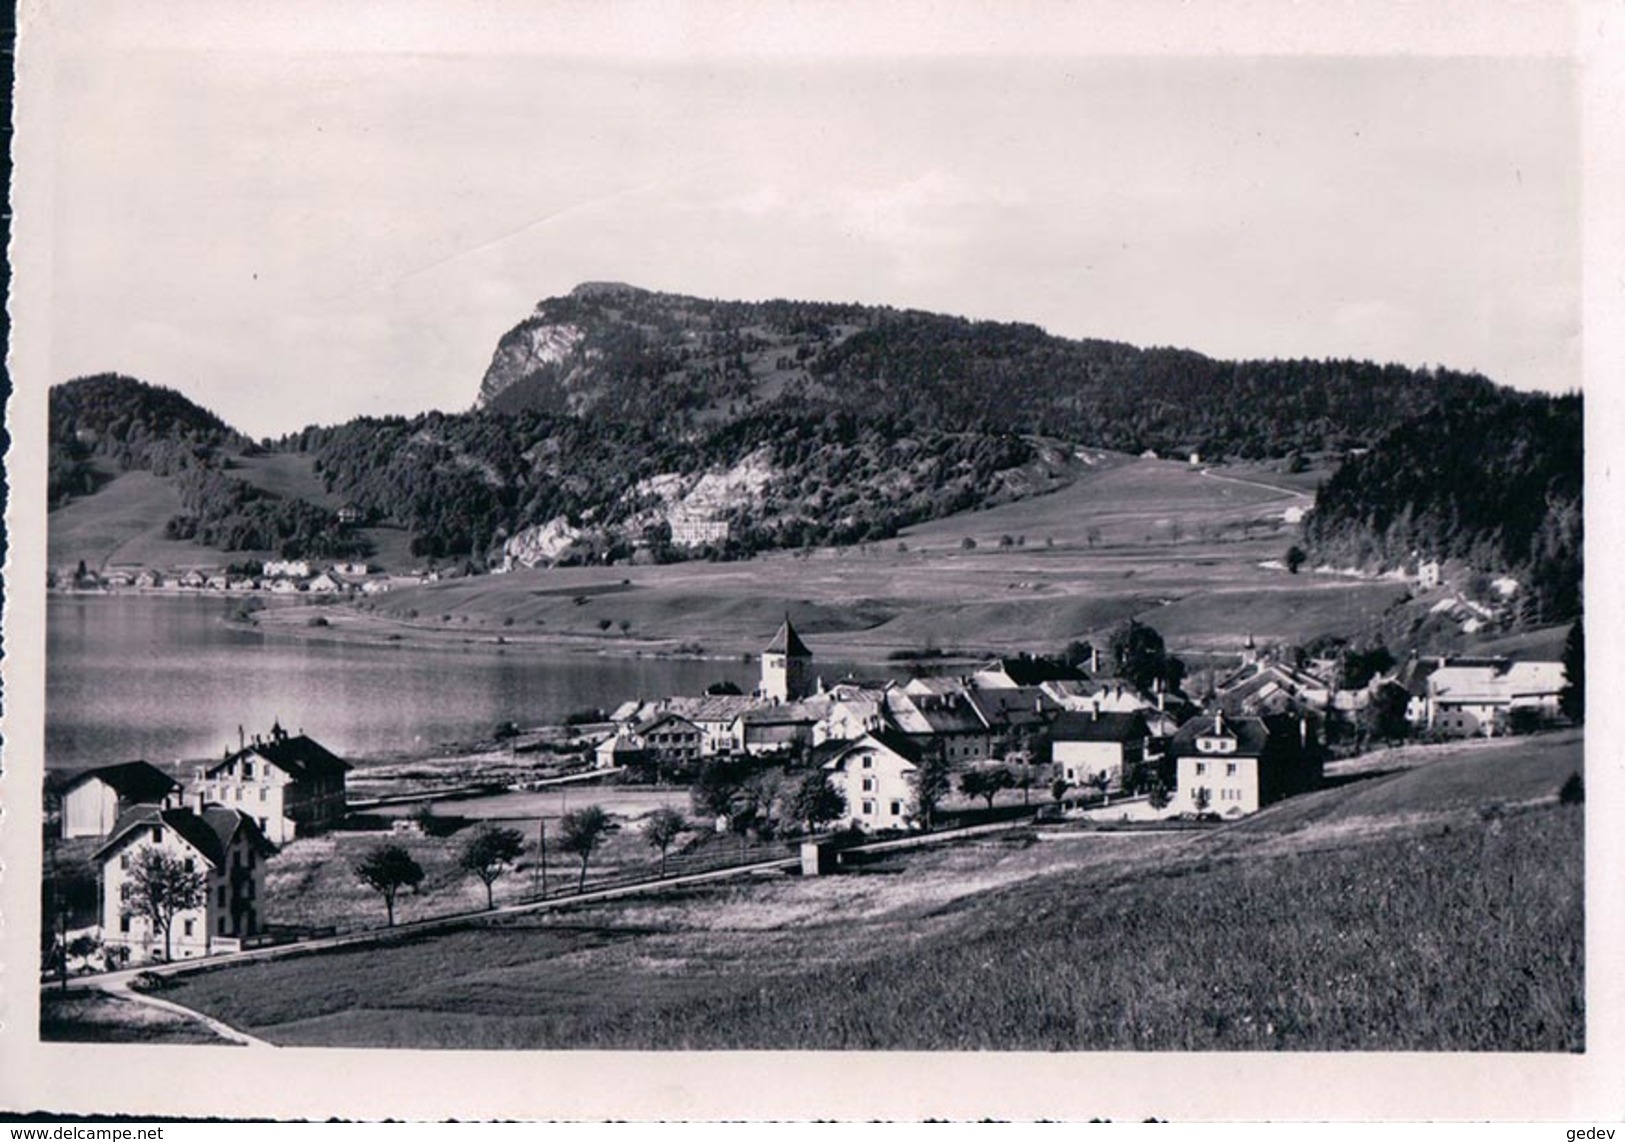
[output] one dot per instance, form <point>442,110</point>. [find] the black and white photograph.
<point>966,559</point>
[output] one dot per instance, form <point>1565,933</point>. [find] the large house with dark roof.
<point>224,845</point>
<point>1236,765</point>
<point>873,774</point>
<point>93,801</point>
<point>1084,746</point>
<point>289,784</point>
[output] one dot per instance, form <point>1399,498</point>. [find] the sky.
<point>299,218</point>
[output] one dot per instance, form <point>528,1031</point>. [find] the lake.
<point>162,678</point>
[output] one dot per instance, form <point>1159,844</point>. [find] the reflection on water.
<point>163,678</point>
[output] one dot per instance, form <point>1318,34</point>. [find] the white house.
<point>286,568</point>
<point>1236,765</point>
<point>1085,746</point>
<point>872,773</point>
<point>222,844</point>
<point>288,784</point>
<point>1471,699</point>
<point>93,801</point>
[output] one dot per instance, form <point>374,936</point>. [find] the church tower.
<point>786,666</point>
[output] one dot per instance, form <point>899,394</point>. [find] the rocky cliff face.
<point>539,545</point>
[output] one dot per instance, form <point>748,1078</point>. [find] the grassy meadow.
<point>94,1016</point>
<point>1174,546</point>
<point>1435,906</point>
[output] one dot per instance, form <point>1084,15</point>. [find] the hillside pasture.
<point>1259,936</point>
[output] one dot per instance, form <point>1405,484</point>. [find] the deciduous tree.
<point>158,887</point>
<point>817,801</point>
<point>488,854</point>
<point>986,783</point>
<point>583,830</point>
<point>661,829</point>
<point>387,869</point>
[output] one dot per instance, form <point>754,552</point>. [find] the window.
<point>868,761</point>
<point>1201,768</point>
<point>191,865</point>
<point>220,896</point>
<point>896,808</point>
<point>157,834</point>
<point>124,923</point>
<point>186,928</point>
<point>1229,769</point>
<point>868,808</point>
<point>124,862</point>
<point>262,793</point>
<point>220,926</point>
<point>868,785</point>
<point>248,771</point>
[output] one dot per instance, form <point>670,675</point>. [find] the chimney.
<point>1303,732</point>
<point>1218,720</point>
<point>1161,697</point>
<point>241,740</point>
<point>1094,661</point>
<point>1094,710</point>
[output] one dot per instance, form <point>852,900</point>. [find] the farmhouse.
<point>94,800</point>
<point>779,728</point>
<point>621,748</point>
<point>222,844</point>
<point>289,784</point>
<point>1016,673</point>
<point>1268,687</point>
<point>672,740</point>
<point>949,718</point>
<point>1470,699</point>
<point>1086,746</point>
<point>872,773</point>
<point>717,718</point>
<point>1236,765</point>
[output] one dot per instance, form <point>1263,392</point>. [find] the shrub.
<point>1573,791</point>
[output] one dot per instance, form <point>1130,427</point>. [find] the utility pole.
<point>541,833</point>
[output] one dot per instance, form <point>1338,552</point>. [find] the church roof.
<point>788,643</point>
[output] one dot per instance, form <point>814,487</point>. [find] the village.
<point>1107,739</point>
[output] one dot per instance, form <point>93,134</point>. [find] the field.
<point>1179,548</point>
<point>102,1018</point>
<point>1435,907</point>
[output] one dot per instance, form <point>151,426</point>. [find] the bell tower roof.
<point>788,643</point>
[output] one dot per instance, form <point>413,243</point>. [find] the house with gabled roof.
<point>1087,745</point>
<point>1468,698</point>
<point>289,784</point>
<point>1023,671</point>
<point>781,727</point>
<point>224,845</point>
<point>948,720</point>
<point>874,775</point>
<point>1236,765</point>
<point>671,740</point>
<point>93,801</point>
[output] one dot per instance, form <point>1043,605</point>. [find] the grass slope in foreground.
<point>1437,908</point>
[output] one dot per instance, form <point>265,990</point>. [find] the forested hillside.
<point>1496,482</point>
<point>103,425</point>
<point>627,353</point>
<point>606,414</point>
<point>125,423</point>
